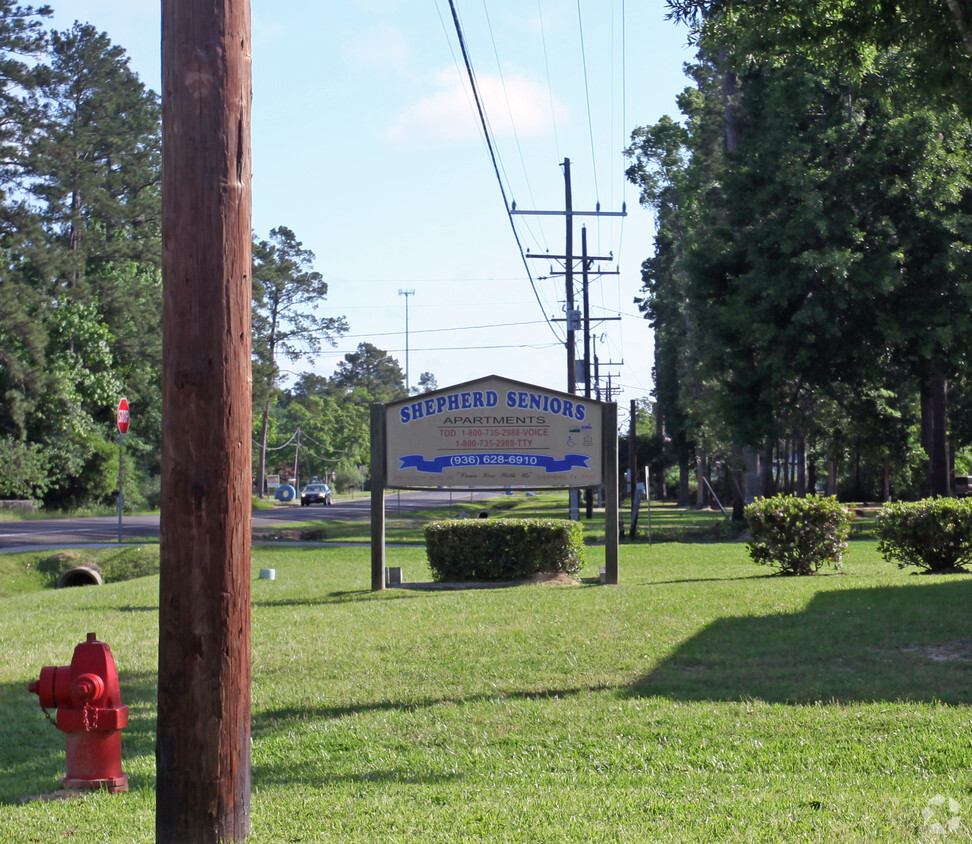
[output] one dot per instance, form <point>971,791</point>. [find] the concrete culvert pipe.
<point>80,576</point>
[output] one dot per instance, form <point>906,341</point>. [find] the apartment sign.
<point>494,433</point>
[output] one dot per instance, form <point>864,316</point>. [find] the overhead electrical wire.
<point>492,155</point>
<point>441,330</point>
<point>461,348</point>
<point>546,66</point>
<point>493,151</point>
<point>587,94</point>
<point>538,240</point>
<point>509,107</point>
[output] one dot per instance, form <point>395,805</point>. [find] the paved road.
<point>68,533</point>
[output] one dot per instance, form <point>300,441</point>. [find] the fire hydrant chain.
<point>90,716</point>
<point>47,715</point>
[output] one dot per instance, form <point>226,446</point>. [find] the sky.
<point>367,144</point>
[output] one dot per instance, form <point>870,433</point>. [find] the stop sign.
<point>123,416</point>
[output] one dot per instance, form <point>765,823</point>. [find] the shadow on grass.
<point>275,719</point>
<point>330,599</point>
<point>907,643</point>
<point>680,580</point>
<point>267,724</point>
<point>33,748</point>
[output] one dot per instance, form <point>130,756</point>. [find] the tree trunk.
<point>736,475</point>
<point>261,480</point>
<point>703,498</point>
<point>801,464</point>
<point>753,487</point>
<point>832,477</point>
<point>683,478</point>
<point>766,485</point>
<point>938,440</point>
<point>203,728</point>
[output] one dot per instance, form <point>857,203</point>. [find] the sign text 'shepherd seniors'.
<point>494,433</point>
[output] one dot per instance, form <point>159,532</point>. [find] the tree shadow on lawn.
<point>907,643</point>
<point>330,598</point>
<point>268,723</point>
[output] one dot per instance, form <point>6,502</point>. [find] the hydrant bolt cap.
<point>86,688</point>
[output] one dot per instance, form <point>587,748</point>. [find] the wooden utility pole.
<point>569,281</point>
<point>586,299</point>
<point>573,321</point>
<point>633,467</point>
<point>203,734</point>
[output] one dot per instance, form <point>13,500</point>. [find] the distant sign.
<point>494,433</point>
<point>123,416</point>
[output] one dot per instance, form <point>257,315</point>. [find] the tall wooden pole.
<point>378,481</point>
<point>569,281</point>
<point>203,738</point>
<point>610,452</point>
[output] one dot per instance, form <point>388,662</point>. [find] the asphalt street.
<point>79,532</point>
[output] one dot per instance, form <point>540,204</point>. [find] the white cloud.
<point>449,112</point>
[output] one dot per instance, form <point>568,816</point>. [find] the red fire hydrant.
<point>90,713</point>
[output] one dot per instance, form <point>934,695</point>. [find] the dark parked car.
<point>315,494</point>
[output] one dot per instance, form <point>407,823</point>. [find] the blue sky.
<point>366,143</point>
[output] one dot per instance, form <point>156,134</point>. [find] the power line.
<point>441,330</point>
<point>461,348</point>
<point>506,94</point>
<point>546,65</point>
<point>492,153</point>
<point>587,93</point>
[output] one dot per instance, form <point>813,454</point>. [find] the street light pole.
<point>406,294</point>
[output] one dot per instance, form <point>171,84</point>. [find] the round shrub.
<point>934,534</point>
<point>797,535</point>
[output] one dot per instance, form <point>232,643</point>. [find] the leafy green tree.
<point>799,254</point>
<point>23,469</point>
<point>335,435</point>
<point>287,293</point>
<point>79,270</point>
<point>369,375</point>
<point>676,167</point>
<point>23,44</point>
<point>427,383</point>
<point>933,39</point>
<point>22,362</point>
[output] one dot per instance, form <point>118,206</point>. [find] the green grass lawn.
<point>698,701</point>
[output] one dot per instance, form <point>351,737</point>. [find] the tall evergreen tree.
<point>287,295</point>
<point>369,375</point>
<point>23,42</point>
<point>96,161</point>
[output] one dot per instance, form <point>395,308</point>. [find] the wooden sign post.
<point>203,739</point>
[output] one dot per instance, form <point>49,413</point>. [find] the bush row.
<point>798,535</point>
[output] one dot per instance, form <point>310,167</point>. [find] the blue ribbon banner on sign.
<point>450,461</point>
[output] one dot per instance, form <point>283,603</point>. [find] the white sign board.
<point>494,433</point>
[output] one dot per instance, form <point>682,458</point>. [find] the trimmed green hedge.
<point>503,549</point>
<point>934,534</point>
<point>798,535</point>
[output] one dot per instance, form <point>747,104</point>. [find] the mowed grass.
<point>699,700</point>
